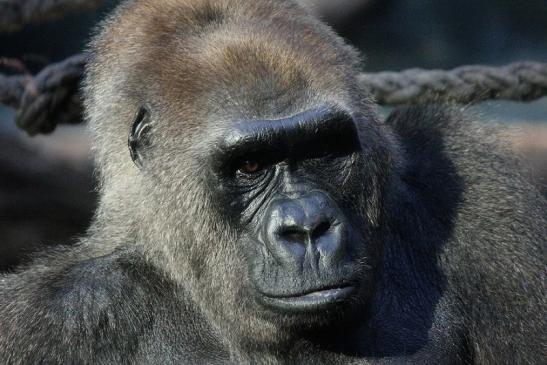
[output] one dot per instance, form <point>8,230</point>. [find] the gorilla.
<point>254,209</point>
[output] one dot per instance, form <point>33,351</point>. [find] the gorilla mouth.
<point>312,300</point>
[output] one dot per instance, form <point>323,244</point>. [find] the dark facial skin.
<point>278,183</point>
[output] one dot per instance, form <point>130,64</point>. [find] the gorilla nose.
<point>304,233</point>
<point>305,228</point>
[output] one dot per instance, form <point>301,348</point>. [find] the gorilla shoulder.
<point>465,175</point>
<point>62,294</point>
<point>95,305</point>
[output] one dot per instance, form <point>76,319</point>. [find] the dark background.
<point>46,182</point>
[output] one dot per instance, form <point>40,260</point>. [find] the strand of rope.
<point>519,81</point>
<point>15,14</point>
<point>47,99</point>
<point>51,97</point>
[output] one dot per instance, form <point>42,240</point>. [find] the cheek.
<point>218,266</point>
<point>220,247</point>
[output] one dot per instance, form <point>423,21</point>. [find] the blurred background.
<point>47,194</point>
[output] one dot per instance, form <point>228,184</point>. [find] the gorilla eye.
<point>249,167</point>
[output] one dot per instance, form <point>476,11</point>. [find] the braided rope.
<point>521,81</point>
<point>48,99</point>
<point>52,97</point>
<point>15,14</point>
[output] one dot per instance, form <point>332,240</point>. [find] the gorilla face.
<point>292,188</point>
<point>264,165</point>
<point>292,191</point>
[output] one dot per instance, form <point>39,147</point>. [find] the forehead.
<point>235,59</point>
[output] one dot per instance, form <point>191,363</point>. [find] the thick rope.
<point>48,99</point>
<point>520,81</point>
<point>51,97</point>
<point>15,14</point>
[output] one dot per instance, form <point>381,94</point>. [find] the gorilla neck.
<point>334,343</point>
<point>252,337</point>
<point>243,334</point>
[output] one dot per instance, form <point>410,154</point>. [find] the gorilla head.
<point>256,172</point>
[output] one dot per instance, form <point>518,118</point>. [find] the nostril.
<point>301,234</point>
<point>321,229</point>
<point>293,233</point>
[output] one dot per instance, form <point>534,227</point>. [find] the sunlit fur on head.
<point>199,65</point>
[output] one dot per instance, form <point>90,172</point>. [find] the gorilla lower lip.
<point>312,300</point>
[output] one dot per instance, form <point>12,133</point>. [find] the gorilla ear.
<point>139,138</point>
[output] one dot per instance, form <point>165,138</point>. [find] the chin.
<point>322,308</point>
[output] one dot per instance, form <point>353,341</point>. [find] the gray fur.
<point>159,277</point>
